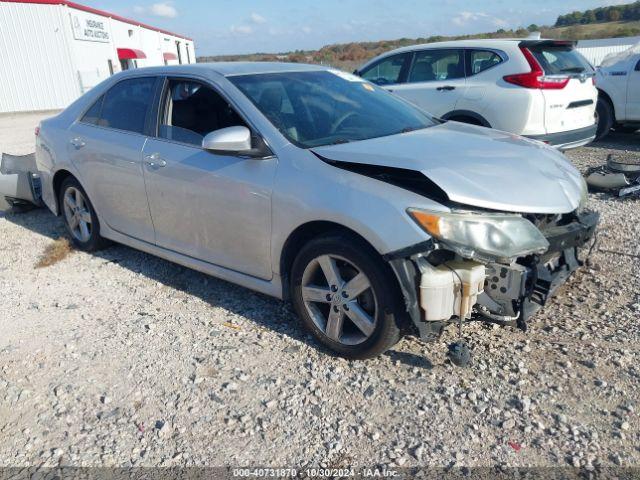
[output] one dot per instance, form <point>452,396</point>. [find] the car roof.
<point>481,42</point>
<point>228,68</point>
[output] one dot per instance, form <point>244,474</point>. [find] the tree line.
<point>613,13</point>
<point>349,55</point>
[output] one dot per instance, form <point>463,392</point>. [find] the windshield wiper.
<point>408,129</point>
<point>573,70</point>
<point>339,141</point>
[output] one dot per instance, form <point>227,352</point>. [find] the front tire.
<point>346,296</point>
<point>80,217</point>
<point>605,118</point>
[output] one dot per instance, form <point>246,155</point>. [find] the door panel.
<point>435,81</point>
<point>633,93</point>
<point>110,166</point>
<point>105,145</point>
<point>216,208</point>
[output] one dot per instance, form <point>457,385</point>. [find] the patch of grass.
<point>55,252</point>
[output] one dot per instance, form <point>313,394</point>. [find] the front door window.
<point>193,110</point>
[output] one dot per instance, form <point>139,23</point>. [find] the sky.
<point>221,27</point>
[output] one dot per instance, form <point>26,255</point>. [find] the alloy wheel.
<point>77,214</point>
<point>340,299</point>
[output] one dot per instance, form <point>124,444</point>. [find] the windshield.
<point>559,60</point>
<point>328,107</point>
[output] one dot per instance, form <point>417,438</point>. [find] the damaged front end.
<point>443,283</point>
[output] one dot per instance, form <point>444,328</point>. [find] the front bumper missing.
<point>512,293</point>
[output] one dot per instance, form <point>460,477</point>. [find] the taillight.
<point>37,131</point>
<point>593,80</point>
<point>536,77</point>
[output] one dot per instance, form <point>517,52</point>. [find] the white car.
<point>541,89</point>
<point>618,82</point>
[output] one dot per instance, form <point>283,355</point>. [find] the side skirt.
<point>272,287</point>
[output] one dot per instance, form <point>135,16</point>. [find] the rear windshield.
<point>560,60</point>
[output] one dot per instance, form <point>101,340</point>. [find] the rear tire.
<point>605,118</point>
<point>80,217</point>
<point>356,313</point>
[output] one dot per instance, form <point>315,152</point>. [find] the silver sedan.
<point>310,184</point>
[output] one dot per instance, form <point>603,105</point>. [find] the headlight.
<point>584,196</point>
<point>490,237</point>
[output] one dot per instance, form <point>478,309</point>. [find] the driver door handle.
<point>447,88</point>
<point>154,160</point>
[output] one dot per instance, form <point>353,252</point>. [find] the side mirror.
<point>230,139</point>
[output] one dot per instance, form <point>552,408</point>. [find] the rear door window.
<point>387,71</point>
<point>481,60</point>
<point>560,60</point>
<point>435,65</point>
<point>126,105</point>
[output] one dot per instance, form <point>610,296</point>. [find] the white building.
<point>52,51</point>
<point>596,50</point>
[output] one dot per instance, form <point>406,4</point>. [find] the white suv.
<point>541,89</point>
<point>618,84</point>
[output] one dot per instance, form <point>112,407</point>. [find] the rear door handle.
<point>446,87</point>
<point>155,160</point>
<point>77,142</point>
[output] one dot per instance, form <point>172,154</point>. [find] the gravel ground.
<point>120,359</point>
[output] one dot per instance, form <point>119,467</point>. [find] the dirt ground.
<point>120,358</point>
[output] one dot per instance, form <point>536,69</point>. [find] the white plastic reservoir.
<point>450,289</point>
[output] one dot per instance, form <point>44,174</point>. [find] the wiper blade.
<point>339,141</point>
<point>573,70</point>
<point>409,129</point>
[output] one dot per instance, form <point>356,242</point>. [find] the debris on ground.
<point>54,252</point>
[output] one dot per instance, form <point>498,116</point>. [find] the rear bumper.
<point>570,139</point>
<point>19,179</point>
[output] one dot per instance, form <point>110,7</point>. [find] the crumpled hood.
<point>475,166</point>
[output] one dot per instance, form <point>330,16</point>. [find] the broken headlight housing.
<point>584,196</point>
<point>486,237</point>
